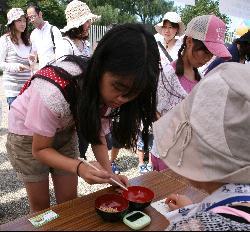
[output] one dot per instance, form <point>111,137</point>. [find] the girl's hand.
<point>177,201</point>
<point>121,179</point>
<point>23,68</point>
<point>32,58</point>
<point>92,176</point>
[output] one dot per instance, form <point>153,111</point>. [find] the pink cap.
<point>211,31</point>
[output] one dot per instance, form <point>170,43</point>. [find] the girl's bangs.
<point>138,85</point>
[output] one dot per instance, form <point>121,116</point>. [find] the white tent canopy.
<point>237,8</point>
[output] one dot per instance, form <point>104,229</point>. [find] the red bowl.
<point>139,197</point>
<point>111,207</point>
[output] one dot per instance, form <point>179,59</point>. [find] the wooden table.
<point>80,214</point>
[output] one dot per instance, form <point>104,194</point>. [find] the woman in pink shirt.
<point>204,37</point>
<point>118,82</point>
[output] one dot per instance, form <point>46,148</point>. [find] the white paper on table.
<point>161,207</point>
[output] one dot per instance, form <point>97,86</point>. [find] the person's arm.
<point>57,36</point>
<point>101,154</point>
<point>42,150</point>
<point>63,48</point>
<point>33,52</point>
<point>9,67</point>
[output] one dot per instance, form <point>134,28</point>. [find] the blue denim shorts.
<point>10,100</point>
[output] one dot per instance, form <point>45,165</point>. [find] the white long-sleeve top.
<point>11,57</point>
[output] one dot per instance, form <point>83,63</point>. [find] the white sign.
<point>237,8</point>
<point>187,2</point>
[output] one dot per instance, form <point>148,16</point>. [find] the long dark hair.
<point>76,33</point>
<point>244,50</point>
<point>198,45</point>
<point>127,51</point>
<point>24,35</point>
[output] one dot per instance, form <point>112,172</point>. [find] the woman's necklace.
<point>170,44</point>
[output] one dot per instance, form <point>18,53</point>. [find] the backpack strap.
<point>48,74</point>
<point>52,38</point>
<point>64,38</point>
<point>165,51</point>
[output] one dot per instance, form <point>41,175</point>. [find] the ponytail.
<point>198,45</point>
<point>179,63</point>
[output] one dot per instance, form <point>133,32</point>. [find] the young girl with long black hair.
<point>118,82</point>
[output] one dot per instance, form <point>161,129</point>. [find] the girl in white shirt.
<point>14,52</point>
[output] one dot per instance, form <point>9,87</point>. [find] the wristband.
<point>77,168</point>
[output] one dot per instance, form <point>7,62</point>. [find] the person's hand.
<point>92,176</point>
<point>119,178</point>
<point>32,58</point>
<point>23,67</point>
<point>177,201</point>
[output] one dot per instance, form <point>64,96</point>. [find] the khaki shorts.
<point>28,168</point>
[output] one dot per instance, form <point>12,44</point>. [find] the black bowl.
<point>111,207</point>
<point>139,197</point>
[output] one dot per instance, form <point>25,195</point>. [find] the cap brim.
<point>218,49</point>
<point>170,150</point>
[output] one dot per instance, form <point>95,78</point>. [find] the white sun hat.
<point>14,14</point>
<point>172,17</point>
<point>77,13</point>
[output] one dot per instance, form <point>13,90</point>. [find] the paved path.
<point>13,198</point>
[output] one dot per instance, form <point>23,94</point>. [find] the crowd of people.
<point>137,91</point>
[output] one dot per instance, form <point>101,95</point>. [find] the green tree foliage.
<point>110,15</point>
<point>145,11</point>
<point>148,11</point>
<point>202,7</point>
<point>120,11</point>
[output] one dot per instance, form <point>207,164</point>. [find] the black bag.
<point>165,51</point>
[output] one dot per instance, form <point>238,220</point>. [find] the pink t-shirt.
<point>41,110</point>
<point>185,82</point>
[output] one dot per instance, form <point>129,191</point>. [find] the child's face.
<point>197,58</point>
<point>113,90</point>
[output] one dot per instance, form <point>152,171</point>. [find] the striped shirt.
<point>11,56</point>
